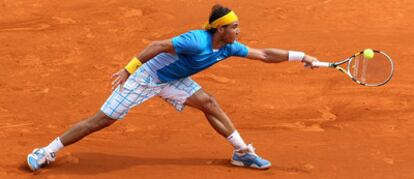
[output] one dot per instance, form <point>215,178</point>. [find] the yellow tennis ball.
<point>368,54</point>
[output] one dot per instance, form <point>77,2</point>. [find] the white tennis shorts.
<point>140,86</point>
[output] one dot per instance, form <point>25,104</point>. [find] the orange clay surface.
<point>57,57</point>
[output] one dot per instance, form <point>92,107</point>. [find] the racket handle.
<point>321,64</point>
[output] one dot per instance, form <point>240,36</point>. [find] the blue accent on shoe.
<point>250,160</point>
<point>39,158</point>
<point>32,162</point>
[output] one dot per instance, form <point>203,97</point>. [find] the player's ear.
<point>221,29</point>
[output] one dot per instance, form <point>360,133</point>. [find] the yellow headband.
<point>225,20</point>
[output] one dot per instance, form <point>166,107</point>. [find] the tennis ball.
<point>368,54</point>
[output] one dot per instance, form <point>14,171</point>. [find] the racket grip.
<point>321,64</point>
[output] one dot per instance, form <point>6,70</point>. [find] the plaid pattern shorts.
<point>141,86</point>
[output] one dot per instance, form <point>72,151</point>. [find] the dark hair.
<point>216,12</point>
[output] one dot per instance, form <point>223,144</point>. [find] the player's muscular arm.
<point>268,55</point>
<point>273,55</point>
<point>155,48</point>
<point>152,50</point>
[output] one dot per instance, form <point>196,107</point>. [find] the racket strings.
<point>375,71</point>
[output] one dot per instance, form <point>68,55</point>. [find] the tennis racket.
<point>376,71</point>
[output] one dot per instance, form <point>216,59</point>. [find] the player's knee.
<point>204,102</point>
<point>210,103</point>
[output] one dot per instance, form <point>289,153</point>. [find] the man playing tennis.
<point>163,69</point>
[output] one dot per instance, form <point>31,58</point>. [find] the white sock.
<point>236,140</point>
<point>55,145</point>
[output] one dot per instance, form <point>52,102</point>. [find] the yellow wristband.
<point>133,65</point>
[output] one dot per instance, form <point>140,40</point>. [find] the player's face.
<point>231,32</point>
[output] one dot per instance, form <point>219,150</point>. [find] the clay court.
<point>57,57</point>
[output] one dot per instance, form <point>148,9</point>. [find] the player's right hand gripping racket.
<point>374,71</point>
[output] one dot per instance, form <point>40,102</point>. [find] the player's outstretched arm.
<point>268,55</point>
<point>273,55</point>
<point>152,50</point>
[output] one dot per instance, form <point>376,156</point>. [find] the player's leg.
<point>244,155</point>
<point>216,117</point>
<point>187,92</point>
<point>213,112</point>
<point>86,127</point>
<point>137,89</point>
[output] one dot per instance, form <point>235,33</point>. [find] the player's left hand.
<point>307,60</point>
<point>120,77</point>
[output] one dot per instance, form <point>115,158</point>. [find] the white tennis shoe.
<point>39,158</point>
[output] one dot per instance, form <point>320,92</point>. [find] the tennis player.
<point>163,69</point>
